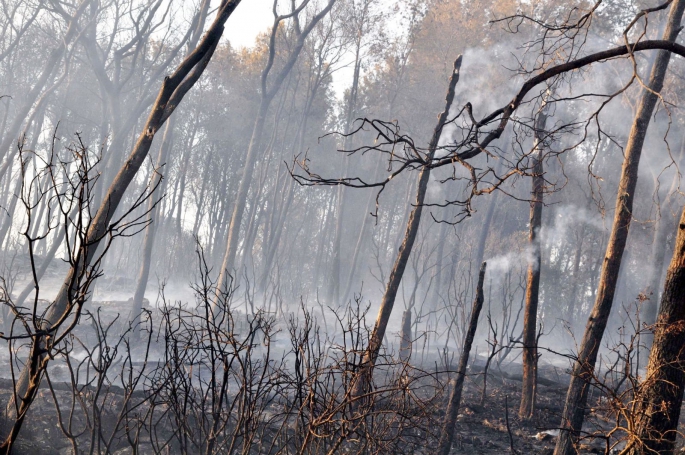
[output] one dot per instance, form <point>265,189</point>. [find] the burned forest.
<point>342,226</point>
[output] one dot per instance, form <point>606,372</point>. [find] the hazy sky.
<point>254,16</point>
<point>249,18</point>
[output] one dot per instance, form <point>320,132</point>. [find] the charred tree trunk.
<point>158,187</point>
<point>173,90</point>
<point>659,409</point>
<point>664,224</point>
<point>376,338</point>
<point>658,256</point>
<point>485,229</point>
<point>447,433</point>
<point>576,398</point>
<point>530,352</point>
<point>406,338</point>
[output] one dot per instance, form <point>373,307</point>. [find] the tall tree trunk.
<point>658,256</point>
<point>173,90</point>
<point>340,197</point>
<point>220,214</point>
<point>570,309</point>
<point>530,352</point>
<point>576,398</point>
<point>437,277</point>
<point>406,337</point>
<point>376,338</point>
<point>334,294</point>
<point>324,231</point>
<point>203,192</point>
<point>361,237</point>
<point>46,74</point>
<point>659,407</point>
<point>14,195</point>
<point>184,158</point>
<point>664,224</point>
<point>228,262</point>
<point>487,222</point>
<point>277,230</point>
<point>158,184</point>
<point>36,120</point>
<point>485,229</point>
<point>277,216</point>
<point>268,93</point>
<point>447,433</point>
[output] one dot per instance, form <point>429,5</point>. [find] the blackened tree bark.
<point>173,90</point>
<point>649,309</point>
<point>576,398</point>
<point>659,408</point>
<point>158,186</point>
<point>406,337</point>
<point>447,433</point>
<point>376,338</point>
<point>113,74</point>
<point>664,224</point>
<point>485,228</point>
<point>530,352</point>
